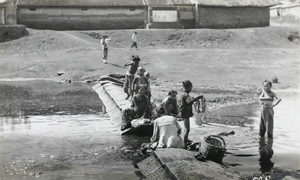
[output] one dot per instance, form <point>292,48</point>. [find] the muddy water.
<point>57,131</point>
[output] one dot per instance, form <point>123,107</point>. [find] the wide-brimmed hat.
<point>187,83</point>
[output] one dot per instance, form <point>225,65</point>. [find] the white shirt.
<point>134,37</point>
<point>166,132</point>
<point>106,43</point>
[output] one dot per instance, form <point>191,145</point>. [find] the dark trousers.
<point>266,122</point>
<point>134,44</point>
<point>105,51</point>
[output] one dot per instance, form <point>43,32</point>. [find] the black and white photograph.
<point>149,89</point>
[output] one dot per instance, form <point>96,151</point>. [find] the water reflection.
<point>266,152</point>
<point>13,122</point>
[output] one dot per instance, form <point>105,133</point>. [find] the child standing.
<point>186,108</point>
<point>133,66</point>
<point>267,114</point>
<point>140,81</point>
<point>148,93</point>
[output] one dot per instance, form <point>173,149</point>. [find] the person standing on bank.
<point>267,114</point>
<point>186,108</point>
<point>134,41</point>
<point>104,43</point>
<point>133,66</point>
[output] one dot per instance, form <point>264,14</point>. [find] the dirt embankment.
<point>41,41</point>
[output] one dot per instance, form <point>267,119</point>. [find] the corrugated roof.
<point>168,2</point>
<point>239,3</point>
<point>74,3</point>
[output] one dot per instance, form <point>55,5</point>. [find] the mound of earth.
<point>41,41</point>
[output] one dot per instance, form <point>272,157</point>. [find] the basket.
<point>213,147</point>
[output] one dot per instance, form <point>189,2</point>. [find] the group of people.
<point>167,131</point>
<point>104,45</point>
<point>165,114</point>
<point>170,110</point>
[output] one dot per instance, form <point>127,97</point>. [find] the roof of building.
<point>99,3</point>
<point>239,3</point>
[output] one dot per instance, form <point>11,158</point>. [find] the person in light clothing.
<point>134,41</point>
<point>167,132</point>
<point>104,44</point>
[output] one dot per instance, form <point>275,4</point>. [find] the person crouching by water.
<point>169,105</point>
<point>267,114</point>
<point>167,132</point>
<point>139,109</point>
<point>186,108</point>
<point>133,66</point>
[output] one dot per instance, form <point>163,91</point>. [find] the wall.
<point>285,11</point>
<point>82,19</point>
<point>10,32</point>
<point>242,17</point>
<point>7,12</point>
<point>185,17</point>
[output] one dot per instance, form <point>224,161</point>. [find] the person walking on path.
<point>133,66</point>
<point>267,114</point>
<point>134,41</point>
<point>104,43</point>
<point>186,108</point>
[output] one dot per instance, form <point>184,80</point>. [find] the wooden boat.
<point>110,91</point>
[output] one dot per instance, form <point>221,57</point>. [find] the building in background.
<point>221,14</point>
<point>133,14</point>
<point>7,12</point>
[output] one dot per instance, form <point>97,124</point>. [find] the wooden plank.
<point>153,169</point>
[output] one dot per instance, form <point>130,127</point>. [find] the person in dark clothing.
<point>169,105</point>
<point>139,109</point>
<point>186,108</point>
